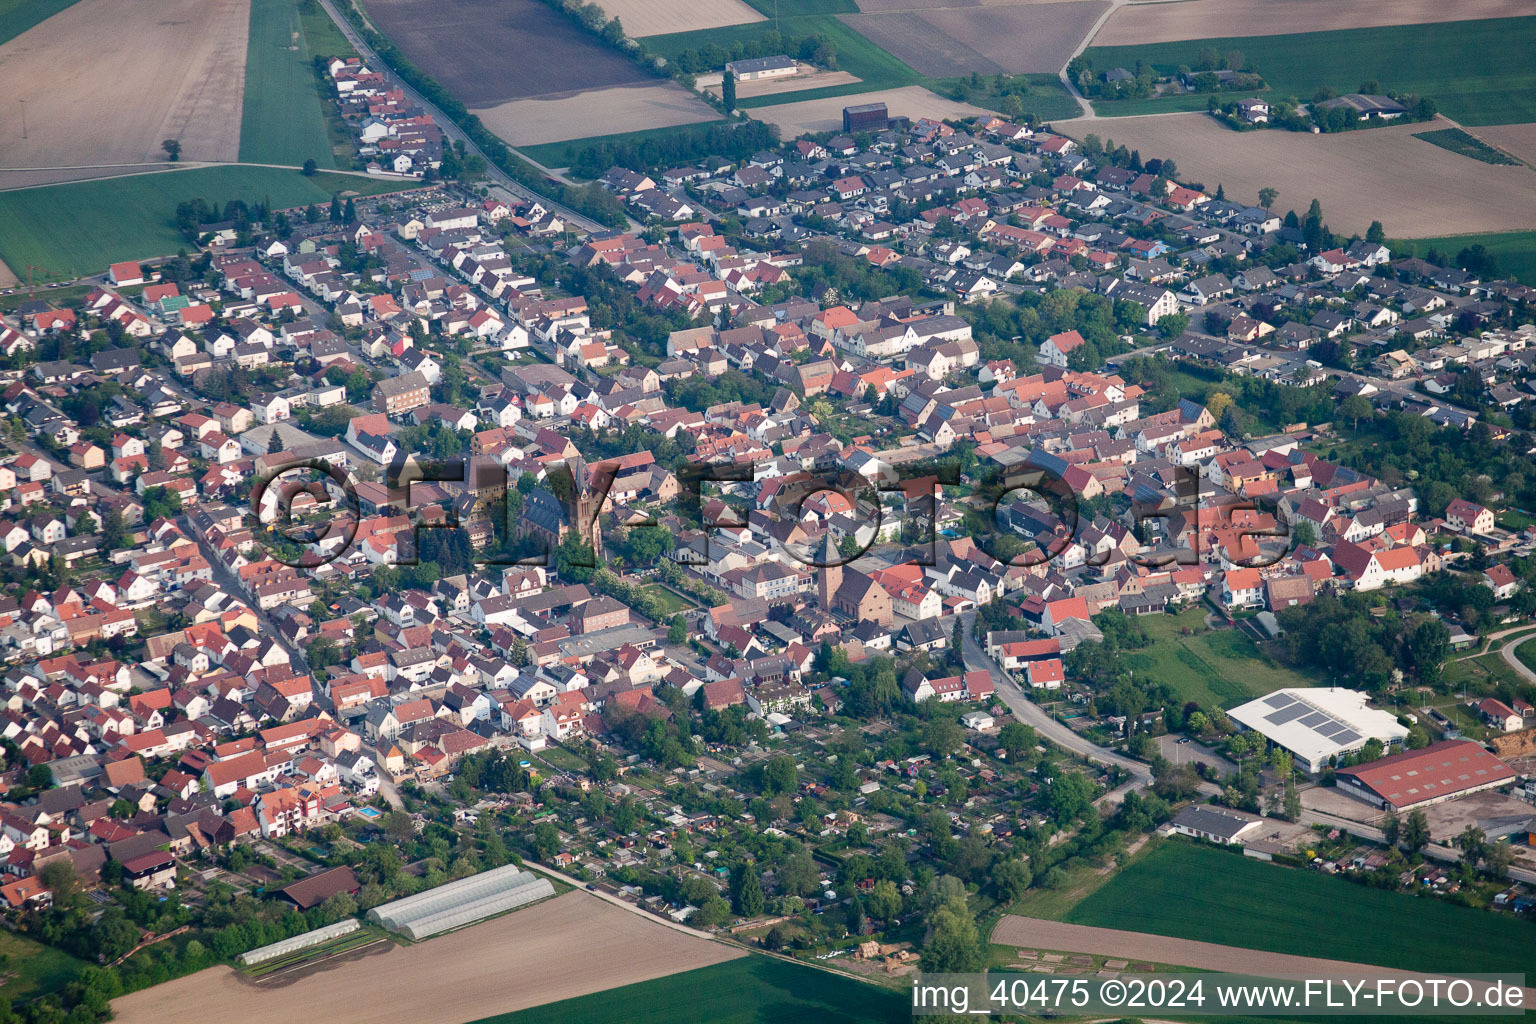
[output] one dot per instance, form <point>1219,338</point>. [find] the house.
<point>1499,715</point>
<point>1214,824</point>
<point>1058,348</point>
<point>1467,517</point>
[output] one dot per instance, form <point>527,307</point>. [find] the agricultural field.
<point>138,76</point>
<point>1213,668</point>
<point>990,39</point>
<point>1518,140</point>
<point>537,120</point>
<point>460,976</point>
<point>744,991</point>
<point>1478,72</point>
<point>29,969</point>
<point>1156,22</point>
<point>1414,188</point>
<point>657,17</point>
<point>1193,892</point>
<point>827,114</point>
<point>77,229</point>
<point>564,153</point>
<point>1515,250</point>
<point>16,16</point>
<point>1458,140</point>
<point>283,120</point>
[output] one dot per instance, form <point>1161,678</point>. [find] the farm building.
<point>463,902</point>
<point>866,117</point>
<point>1441,771</point>
<point>317,888</point>
<point>346,926</point>
<point>762,67</point>
<point>1318,723</point>
<point>1216,824</point>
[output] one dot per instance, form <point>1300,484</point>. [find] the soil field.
<point>1016,39</point>
<point>1185,891</point>
<point>655,17</point>
<point>32,177</point>
<point>749,990</point>
<point>808,78</point>
<point>827,114</point>
<point>1518,140</point>
<point>137,73</point>
<point>1478,72</point>
<point>1162,22</point>
<point>1414,188</point>
<point>487,52</point>
<point>16,16</point>
<point>579,115</point>
<point>570,946</point>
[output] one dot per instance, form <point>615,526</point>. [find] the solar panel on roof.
<point>1285,715</point>
<point>1347,737</point>
<point>1278,700</point>
<point>1315,719</point>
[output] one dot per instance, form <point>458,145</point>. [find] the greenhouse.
<point>462,902</point>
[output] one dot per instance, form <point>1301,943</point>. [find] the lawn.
<point>16,16</point>
<point>1478,72</point>
<point>1213,668</point>
<point>563,154</point>
<point>29,969</point>
<point>282,121</point>
<point>1193,892</point>
<point>82,228</point>
<point>751,990</point>
<point>856,55</point>
<point>671,600</point>
<point>1515,250</point>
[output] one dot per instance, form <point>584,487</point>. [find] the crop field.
<point>564,153</point>
<point>989,40</point>
<point>1163,22</point>
<point>1193,892</point>
<point>81,228</point>
<point>283,121</point>
<point>1515,250</point>
<point>1215,669</point>
<point>656,17</point>
<point>1478,72</point>
<point>572,945</point>
<point>1414,188</point>
<point>747,991</point>
<point>16,16</point>
<point>536,120</point>
<point>1458,140</point>
<point>480,49</point>
<point>137,75</point>
<point>1518,140</point>
<point>827,114</point>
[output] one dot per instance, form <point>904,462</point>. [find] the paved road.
<point>1507,652</point>
<point>1032,714</point>
<point>454,133</point>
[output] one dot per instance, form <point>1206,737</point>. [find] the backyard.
<point>29,969</point>
<point>1214,668</point>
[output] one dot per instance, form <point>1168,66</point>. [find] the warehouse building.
<point>1414,778</point>
<point>463,902</point>
<point>1317,724</point>
<point>756,68</point>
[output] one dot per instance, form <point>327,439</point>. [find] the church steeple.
<point>831,575</point>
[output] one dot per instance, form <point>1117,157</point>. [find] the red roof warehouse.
<point>1438,772</point>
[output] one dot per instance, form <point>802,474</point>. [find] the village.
<point>780,566</point>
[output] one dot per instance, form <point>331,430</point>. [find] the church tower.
<point>831,574</point>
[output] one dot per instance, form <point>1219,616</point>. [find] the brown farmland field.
<point>1518,140</point>
<point>487,52</point>
<point>1414,188</point>
<point>1165,22</point>
<point>1028,38</point>
<point>808,78</point>
<point>584,115</point>
<point>658,17</point>
<point>572,945</point>
<point>106,81</point>
<point>827,114</point>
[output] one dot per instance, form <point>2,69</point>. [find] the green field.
<point>29,969</point>
<point>16,16</point>
<point>282,121</point>
<point>792,8</point>
<point>751,990</point>
<point>82,228</point>
<point>671,600</point>
<point>1515,250</point>
<point>1214,669</point>
<point>1458,141</point>
<point>1478,72</point>
<point>1047,100</point>
<point>1193,892</point>
<point>563,154</point>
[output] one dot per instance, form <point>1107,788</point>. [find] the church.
<point>853,594</point>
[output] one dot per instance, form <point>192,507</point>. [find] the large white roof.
<point>1318,722</point>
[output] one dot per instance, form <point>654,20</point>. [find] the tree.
<point>1171,325</point>
<point>114,530</point>
<point>728,91</point>
<point>1012,879</point>
<point>712,913</point>
<point>339,906</point>
<point>336,213</point>
<point>1416,831</point>
<point>955,945</point>
<point>58,876</point>
<point>746,891</point>
<point>276,444</point>
<point>1497,858</point>
<point>798,876</point>
<point>779,776</point>
<point>1267,197</point>
<point>172,149</point>
<point>1018,740</point>
<point>677,630</point>
<point>546,840</point>
<point>1391,828</point>
<point>1375,234</point>
<point>1473,844</point>
<point>40,776</point>
<point>885,900</point>
<point>1355,407</point>
<point>310,167</point>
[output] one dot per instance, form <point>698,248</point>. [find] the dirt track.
<point>1164,22</point>
<point>1034,933</point>
<point>572,945</point>
<point>1414,188</point>
<point>106,81</point>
